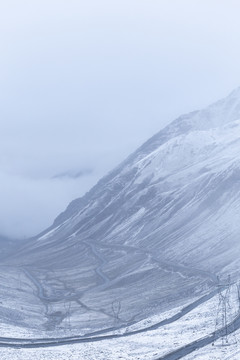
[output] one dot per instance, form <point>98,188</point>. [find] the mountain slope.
<point>173,182</point>
<point>162,224</point>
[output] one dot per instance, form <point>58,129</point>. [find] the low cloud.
<point>28,206</point>
<point>73,174</point>
<point>84,83</point>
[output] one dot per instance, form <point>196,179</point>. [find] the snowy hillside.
<point>177,195</point>
<point>152,234</point>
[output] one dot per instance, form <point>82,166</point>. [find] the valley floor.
<point>146,345</point>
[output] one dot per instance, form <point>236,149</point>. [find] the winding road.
<point>104,334</point>
<point>200,343</point>
<point>91,337</point>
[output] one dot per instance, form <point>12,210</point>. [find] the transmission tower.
<point>224,310</point>
<point>116,308</point>
<point>238,291</point>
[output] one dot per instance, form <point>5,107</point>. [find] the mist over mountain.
<point>163,224</point>
<point>120,180</point>
<point>171,194</point>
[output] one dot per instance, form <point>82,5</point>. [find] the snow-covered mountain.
<point>160,225</point>
<point>177,194</point>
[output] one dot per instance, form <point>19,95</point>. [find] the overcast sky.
<point>84,83</point>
